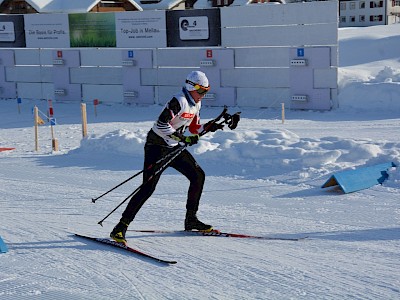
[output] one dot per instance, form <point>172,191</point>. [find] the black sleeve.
<point>169,111</point>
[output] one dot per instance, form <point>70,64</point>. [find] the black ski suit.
<point>180,112</point>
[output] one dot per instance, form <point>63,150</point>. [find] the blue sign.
<point>19,100</point>
<point>300,52</point>
<point>130,54</point>
<point>52,121</point>
<point>3,246</point>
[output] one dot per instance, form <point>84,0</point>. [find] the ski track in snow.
<point>332,262</point>
<point>264,178</point>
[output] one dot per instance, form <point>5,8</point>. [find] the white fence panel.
<point>27,56</point>
<point>29,74</point>
<point>296,35</point>
<point>47,91</point>
<point>100,57</point>
<point>96,75</point>
<point>267,57</point>
<point>104,93</point>
<point>325,78</point>
<point>185,58</point>
<point>288,14</point>
<point>252,67</point>
<point>46,57</point>
<point>165,93</point>
<point>165,76</point>
<point>31,90</point>
<point>256,78</point>
<point>262,97</point>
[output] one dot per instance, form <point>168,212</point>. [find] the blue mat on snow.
<point>3,246</point>
<point>360,178</point>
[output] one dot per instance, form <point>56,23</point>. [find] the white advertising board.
<point>193,28</point>
<point>47,31</point>
<point>7,33</point>
<point>145,29</point>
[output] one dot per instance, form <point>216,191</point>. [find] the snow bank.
<point>257,153</point>
<point>369,73</point>
<point>117,142</point>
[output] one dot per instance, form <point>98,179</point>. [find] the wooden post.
<point>283,113</point>
<point>84,120</point>
<point>36,121</point>
<point>54,144</point>
<point>54,141</point>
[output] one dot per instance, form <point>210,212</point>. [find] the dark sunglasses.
<point>201,90</point>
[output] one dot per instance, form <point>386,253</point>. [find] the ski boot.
<point>118,233</point>
<point>193,224</point>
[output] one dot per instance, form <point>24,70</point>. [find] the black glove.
<point>191,139</point>
<point>233,120</point>
<point>212,126</point>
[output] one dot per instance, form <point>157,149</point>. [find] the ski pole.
<point>133,176</point>
<point>222,114</point>
<point>173,155</point>
<point>133,193</point>
<point>162,168</point>
<point>130,178</point>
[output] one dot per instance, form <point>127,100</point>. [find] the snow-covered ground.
<point>263,178</point>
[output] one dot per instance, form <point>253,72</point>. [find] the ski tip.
<point>126,247</point>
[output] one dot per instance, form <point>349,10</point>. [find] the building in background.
<point>352,13</point>
<point>361,13</point>
<point>358,13</point>
<point>65,6</point>
<point>166,4</point>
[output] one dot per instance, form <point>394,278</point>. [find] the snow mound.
<point>255,153</point>
<point>369,73</point>
<point>122,142</point>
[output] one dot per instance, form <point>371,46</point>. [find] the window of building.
<point>352,19</point>
<point>362,18</point>
<point>342,19</point>
<point>377,18</point>
<point>150,1</point>
<point>16,7</point>
<point>111,4</point>
<point>362,4</point>
<point>373,4</point>
<point>352,5</point>
<point>342,5</point>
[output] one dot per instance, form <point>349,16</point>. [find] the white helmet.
<point>196,78</point>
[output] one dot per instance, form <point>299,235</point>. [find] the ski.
<point>222,234</point>
<point>125,247</point>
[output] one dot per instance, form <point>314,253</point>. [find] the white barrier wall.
<point>269,54</point>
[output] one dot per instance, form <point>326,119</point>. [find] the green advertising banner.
<point>92,30</point>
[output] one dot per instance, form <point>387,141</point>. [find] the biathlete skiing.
<point>167,140</point>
